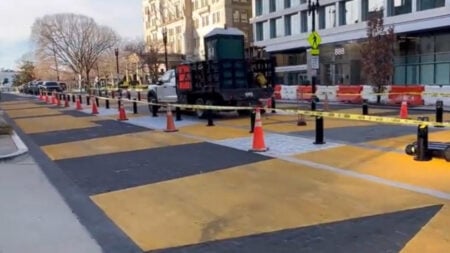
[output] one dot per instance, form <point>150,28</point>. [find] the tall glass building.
<point>422,51</point>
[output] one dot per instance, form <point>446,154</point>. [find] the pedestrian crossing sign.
<point>314,40</point>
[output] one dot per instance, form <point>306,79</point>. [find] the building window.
<point>259,31</point>
<point>327,17</point>
<point>399,7</point>
<point>303,1</point>
<point>287,4</point>
<point>304,21</point>
<point>429,4</point>
<point>236,16</point>
<point>272,6</point>
<point>273,29</point>
<point>258,7</point>
<point>244,16</point>
<point>216,17</point>
<point>205,20</point>
<point>348,12</point>
<point>370,6</point>
<point>287,25</point>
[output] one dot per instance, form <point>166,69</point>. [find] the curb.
<point>21,148</point>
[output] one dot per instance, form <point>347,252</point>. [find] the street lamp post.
<point>313,7</point>
<point>116,52</point>
<point>164,34</point>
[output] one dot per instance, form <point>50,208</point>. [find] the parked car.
<point>63,86</point>
<point>33,87</point>
<point>50,86</point>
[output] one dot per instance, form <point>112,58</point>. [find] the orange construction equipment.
<point>122,113</point>
<point>170,126</point>
<point>79,107</point>
<point>94,106</point>
<point>404,110</point>
<point>258,134</point>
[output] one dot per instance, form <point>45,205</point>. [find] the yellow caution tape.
<point>334,115</point>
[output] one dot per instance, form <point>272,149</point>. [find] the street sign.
<point>314,62</point>
<point>314,40</point>
<point>315,51</point>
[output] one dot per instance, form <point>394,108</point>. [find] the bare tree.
<point>77,41</point>
<point>378,53</point>
<point>149,55</point>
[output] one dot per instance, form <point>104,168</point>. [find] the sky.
<point>17,17</point>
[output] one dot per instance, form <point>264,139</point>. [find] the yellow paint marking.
<point>434,236</point>
<point>52,123</point>
<point>216,132</point>
<point>401,142</point>
<point>114,144</point>
<point>44,111</point>
<point>261,197</point>
<point>398,167</point>
<point>15,106</point>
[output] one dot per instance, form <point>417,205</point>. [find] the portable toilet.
<point>225,50</point>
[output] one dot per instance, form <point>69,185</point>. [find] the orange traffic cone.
<point>46,98</point>
<point>94,106</point>
<point>79,107</point>
<point>404,110</point>
<point>170,126</point>
<point>122,113</point>
<point>258,134</point>
<point>41,98</point>
<point>66,101</point>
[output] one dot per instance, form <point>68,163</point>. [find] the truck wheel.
<point>410,149</point>
<point>447,154</point>
<point>152,99</point>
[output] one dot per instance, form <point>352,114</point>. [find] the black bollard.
<point>154,111</point>
<point>119,102</point>
<point>128,95</point>
<point>319,130</point>
<point>80,98</point>
<point>252,120</point>
<point>439,111</point>
<point>97,102</point>
<point>177,113</point>
<point>107,103</point>
<point>134,106</point>
<point>73,98</point>
<point>313,103</point>
<point>139,96</point>
<point>422,153</point>
<point>210,117</point>
<point>273,105</point>
<point>88,100</point>
<point>365,108</point>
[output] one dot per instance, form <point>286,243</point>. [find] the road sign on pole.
<point>314,62</point>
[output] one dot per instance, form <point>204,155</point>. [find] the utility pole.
<point>164,34</point>
<point>116,52</point>
<point>314,39</point>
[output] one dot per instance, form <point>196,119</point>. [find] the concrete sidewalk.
<point>34,217</point>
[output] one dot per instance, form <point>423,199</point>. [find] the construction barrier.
<point>349,93</point>
<point>412,94</point>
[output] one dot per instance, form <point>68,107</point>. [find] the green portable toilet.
<point>224,43</point>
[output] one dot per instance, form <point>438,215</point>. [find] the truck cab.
<point>164,91</point>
